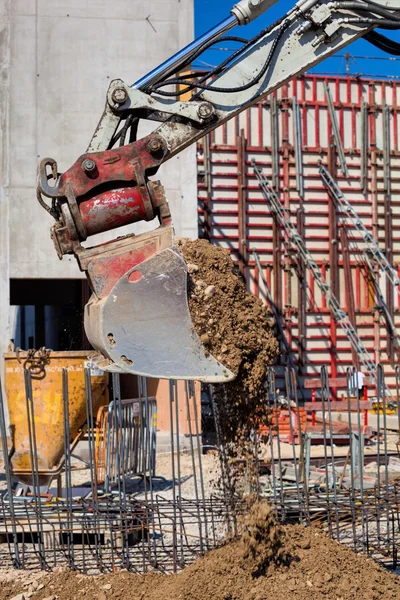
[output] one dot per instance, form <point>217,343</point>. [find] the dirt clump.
<point>310,566</point>
<point>235,328</point>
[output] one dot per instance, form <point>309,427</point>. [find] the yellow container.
<point>48,406</point>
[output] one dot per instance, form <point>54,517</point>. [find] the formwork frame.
<point>288,135</point>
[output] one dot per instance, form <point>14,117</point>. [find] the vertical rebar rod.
<point>92,466</point>
<point>303,476</point>
<point>397,372</point>
<point>143,436</point>
<point>192,393</point>
<point>276,411</point>
<point>196,493</point>
<point>120,438</point>
<point>349,375</point>
<point>7,469</point>
<point>148,439</point>
<point>173,481</point>
<point>324,392</point>
<point>109,453</point>
<point>386,459</point>
<point>178,468</point>
<point>121,465</point>
<point>149,461</point>
<point>270,436</point>
<point>30,410</point>
<point>331,439</point>
<point>289,395</point>
<point>67,470</point>
<point>380,391</point>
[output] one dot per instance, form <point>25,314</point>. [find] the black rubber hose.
<point>381,23</point>
<point>242,88</point>
<point>217,70</point>
<point>383,43</point>
<point>369,7</point>
<point>377,5</point>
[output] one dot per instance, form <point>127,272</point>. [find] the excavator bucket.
<point>142,325</point>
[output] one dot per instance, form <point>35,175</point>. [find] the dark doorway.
<point>49,313</point>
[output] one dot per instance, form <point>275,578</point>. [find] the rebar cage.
<point>318,462</point>
<point>124,515</point>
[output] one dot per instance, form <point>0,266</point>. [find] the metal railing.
<point>125,434</point>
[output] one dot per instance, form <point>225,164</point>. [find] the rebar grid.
<point>109,537</point>
<point>112,528</point>
<point>359,506</point>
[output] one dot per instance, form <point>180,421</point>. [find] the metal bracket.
<point>134,99</point>
<point>122,98</point>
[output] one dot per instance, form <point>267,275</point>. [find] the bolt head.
<point>119,95</point>
<point>205,111</point>
<point>154,145</point>
<point>88,165</point>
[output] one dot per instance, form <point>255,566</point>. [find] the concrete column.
<point>4,173</point>
<point>4,182</point>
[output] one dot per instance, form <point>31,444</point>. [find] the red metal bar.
<point>242,227</point>
<point>260,125</point>
<point>323,270</point>
<point>313,414</point>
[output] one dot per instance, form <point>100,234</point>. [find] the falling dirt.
<point>269,562</point>
<point>235,328</point>
<point>263,539</point>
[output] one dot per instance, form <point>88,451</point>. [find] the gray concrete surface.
<point>57,60</point>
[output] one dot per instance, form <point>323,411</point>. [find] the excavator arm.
<point>138,317</point>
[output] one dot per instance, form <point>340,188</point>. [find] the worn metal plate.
<point>146,327</point>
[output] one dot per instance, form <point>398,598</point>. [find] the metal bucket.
<point>46,372</point>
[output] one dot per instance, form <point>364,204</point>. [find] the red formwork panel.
<point>234,214</point>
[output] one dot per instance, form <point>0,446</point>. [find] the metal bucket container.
<point>47,392</point>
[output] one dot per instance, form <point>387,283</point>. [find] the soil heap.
<point>234,326</point>
<point>293,563</point>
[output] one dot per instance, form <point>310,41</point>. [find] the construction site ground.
<point>317,567</point>
<point>314,567</point>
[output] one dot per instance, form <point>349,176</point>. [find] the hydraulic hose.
<point>367,6</point>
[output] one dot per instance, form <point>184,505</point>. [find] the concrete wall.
<point>57,60</point>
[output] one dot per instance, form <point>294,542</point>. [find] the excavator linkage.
<point>138,317</point>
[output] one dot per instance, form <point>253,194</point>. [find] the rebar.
<point>358,506</point>
<point>139,521</point>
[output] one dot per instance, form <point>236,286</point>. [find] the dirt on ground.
<point>269,562</point>
<point>235,328</point>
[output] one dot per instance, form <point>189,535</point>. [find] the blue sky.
<point>368,60</point>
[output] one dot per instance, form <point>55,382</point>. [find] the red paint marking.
<point>135,276</point>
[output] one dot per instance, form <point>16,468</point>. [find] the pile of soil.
<point>278,563</point>
<point>235,328</point>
